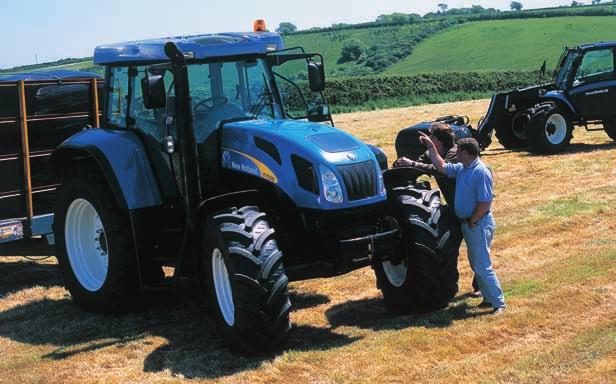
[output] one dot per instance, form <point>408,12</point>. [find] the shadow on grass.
<point>24,273</point>
<point>374,314</point>
<point>193,348</point>
<point>36,248</point>
<point>572,148</point>
<point>301,300</point>
<point>577,148</point>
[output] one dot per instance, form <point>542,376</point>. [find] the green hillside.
<point>384,45</point>
<point>504,44</point>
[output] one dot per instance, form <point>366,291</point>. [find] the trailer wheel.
<point>246,281</point>
<point>510,135</point>
<point>422,274</point>
<point>610,128</point>
<point>94,243</point>
<point>551,130</point>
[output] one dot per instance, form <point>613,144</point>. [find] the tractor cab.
<point>228,77</point>
<point>588,77</point>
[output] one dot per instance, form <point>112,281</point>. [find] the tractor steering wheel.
<point>205,105</point>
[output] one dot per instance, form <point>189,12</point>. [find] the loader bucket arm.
<point>496,111</point>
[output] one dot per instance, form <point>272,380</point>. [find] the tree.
<point>352,50</point>
<point>575,4</point>
<point>285,28</point>
<point>516,6</point>
<point>596,2</point>
<point>442,8</point>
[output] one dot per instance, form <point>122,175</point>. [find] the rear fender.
<point>559,99</point>
<point>120,155</point>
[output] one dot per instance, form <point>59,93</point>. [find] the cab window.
<point>596,66</point>
<point>118,97</point>
<point>155,122</point>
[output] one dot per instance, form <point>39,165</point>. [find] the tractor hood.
<point>310,140</point>
<point>291,153</point>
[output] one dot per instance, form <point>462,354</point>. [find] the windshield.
<point>564,68</point>
<point>299,101</point>
<point>230,90</point>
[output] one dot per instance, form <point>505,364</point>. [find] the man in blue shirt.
<point>473,202</point>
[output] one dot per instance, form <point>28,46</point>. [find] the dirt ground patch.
<point>554,250</point>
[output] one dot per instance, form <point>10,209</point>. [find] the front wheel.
<point>421,275</point>
<point>94,244</point>
<point>246,281</point>
<point>551,130</point>
<point>510,133</point>
<point>610,128</point>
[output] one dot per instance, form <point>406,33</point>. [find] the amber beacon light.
<point>259,26</point>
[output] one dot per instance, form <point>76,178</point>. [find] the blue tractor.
<point>542,117</point>
<point>217,155</point>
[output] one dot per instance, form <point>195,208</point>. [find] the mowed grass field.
<point>554,250</point>
<point>504,44</point>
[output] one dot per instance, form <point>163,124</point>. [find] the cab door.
<point>593,88</point>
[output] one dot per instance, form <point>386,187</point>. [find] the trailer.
<point>38,111</point>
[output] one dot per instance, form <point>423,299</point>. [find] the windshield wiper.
<point>265,99</point>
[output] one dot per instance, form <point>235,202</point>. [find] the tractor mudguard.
<point>233,199</point>
<point>407,141</point>
<point>558,97</point>
<point>121,157</point>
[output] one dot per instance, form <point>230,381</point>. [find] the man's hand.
<point>404,162</point>
<point>436,159</point>
<point>425,140</point>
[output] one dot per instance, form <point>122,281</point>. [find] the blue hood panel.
<point>315,143</point>
<point>333,142</point>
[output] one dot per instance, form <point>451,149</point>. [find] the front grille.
<point>359,179</point>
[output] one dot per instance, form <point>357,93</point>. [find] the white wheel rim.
<point>222,285</point>
<point>86,244</point>
<point>556,129</point>
<point>395,273</point>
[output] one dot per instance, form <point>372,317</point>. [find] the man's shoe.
<point>485,304</point>
<point>498,311</point>
<point>476,294</point>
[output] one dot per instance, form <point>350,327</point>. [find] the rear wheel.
<point>510,135</point>
<point>94,244</point>
<point>247,285</point>
<point>422,274</point>
<point>551,130</point>
<point>610,128</point>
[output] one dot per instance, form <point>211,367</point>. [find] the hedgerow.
<point>361,90</point>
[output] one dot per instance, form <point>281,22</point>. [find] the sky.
<point>48,30</point>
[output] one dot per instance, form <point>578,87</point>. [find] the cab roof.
<point>601,44</point>
<point>194,47</point>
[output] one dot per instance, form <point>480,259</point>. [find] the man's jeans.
<point>478,240</point>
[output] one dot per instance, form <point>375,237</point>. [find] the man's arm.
<point>481,209</point>
<point>484,187</point>
<point>437,160</point>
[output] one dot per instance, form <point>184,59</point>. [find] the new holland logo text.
<point>598,92</point>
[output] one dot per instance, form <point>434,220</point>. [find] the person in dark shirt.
<point>443,138</point>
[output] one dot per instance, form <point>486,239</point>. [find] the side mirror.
<point>316,76</point>
<point>153,89</point>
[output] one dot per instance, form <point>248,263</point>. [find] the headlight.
<point>382,191</point>
<point>331,186</point>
